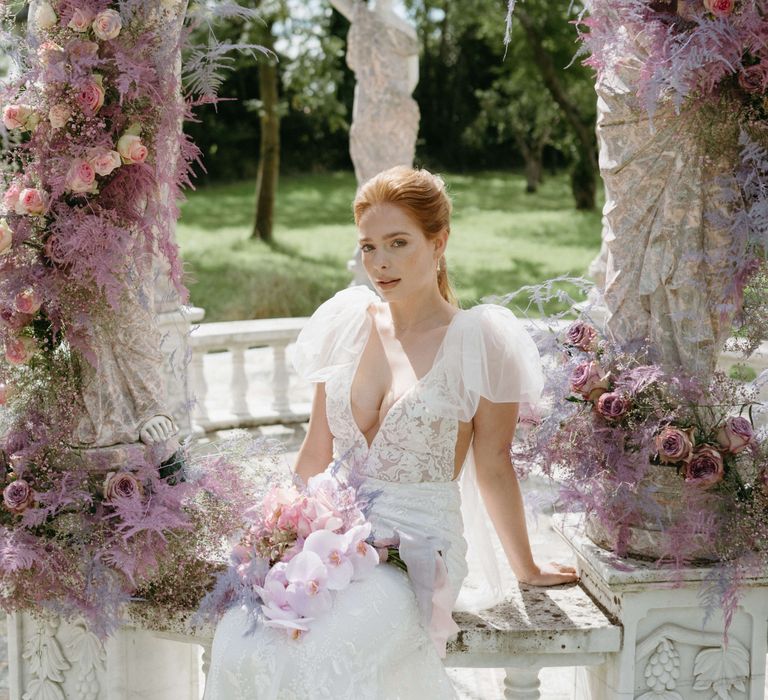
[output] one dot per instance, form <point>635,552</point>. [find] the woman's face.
<point>399,259</point>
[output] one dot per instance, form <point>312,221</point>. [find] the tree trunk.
<point>269,149</point>
<point>585,173</point>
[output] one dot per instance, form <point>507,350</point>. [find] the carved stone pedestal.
<point>53,660</point>
<point>670,650</point>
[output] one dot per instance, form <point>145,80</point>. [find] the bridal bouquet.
<point>299,547</point>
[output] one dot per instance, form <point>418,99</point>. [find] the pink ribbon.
<point>429,577</point>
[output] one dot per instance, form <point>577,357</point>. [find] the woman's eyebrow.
<point>387,236</point>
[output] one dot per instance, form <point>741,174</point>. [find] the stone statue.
<point>383,52</point>
<point>667,265</point>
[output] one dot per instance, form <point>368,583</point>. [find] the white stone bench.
<point>533,629</point>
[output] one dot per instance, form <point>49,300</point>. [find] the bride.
<point>408,389</point>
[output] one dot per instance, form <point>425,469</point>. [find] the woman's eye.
<point>366,247</point>
<point>399,243</point>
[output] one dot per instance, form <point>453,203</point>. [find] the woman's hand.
<point>552,574</point>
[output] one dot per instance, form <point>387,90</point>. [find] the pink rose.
<point>12,319</point>
<point>11,199</point>
<point>674,445</point>
<point>719,8</point>
<point>753,78</point>
<point>589,380</point>
<point>131,149</point>
<point>91,95</point>
<point>19,350</point>
<point>121,485</point>
<point>18,496</point>
<point>6,236</point>
<point>59,115</point>
<point>582,336</point>
<point>103,160</point>
<point>49,52</point>
<point>735,434</point>
<point>32,201</point>
<point>107,25</point>
<point>612,406</point>
<point>81,20</point>
<point>705,467</point>
<point>81,177</point>
<point>17,116</point>
<point>28,301</point>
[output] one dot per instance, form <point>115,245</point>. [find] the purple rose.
<point>705,468</point>
<point>582,336</point>
<point>612,406</point>
<point>674,445</point>
<point>735,435</point>
<point>753,79</point>
<point>18,496</point>
<point>589,380</point>
<point>122,485</point>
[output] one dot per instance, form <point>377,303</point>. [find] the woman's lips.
<point>389,284</point>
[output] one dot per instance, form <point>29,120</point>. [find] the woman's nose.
<point>380,260</point>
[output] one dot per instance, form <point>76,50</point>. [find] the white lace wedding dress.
<point>373,643</point>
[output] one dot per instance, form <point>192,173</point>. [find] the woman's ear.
<point>441,242</point>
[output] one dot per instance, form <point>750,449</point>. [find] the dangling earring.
<point>438,265</point>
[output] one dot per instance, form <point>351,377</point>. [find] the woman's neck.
<point>418,310</point>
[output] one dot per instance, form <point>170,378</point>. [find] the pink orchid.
<point>276,608</point>
<point>307,591</point>
<point>332,550</point>
<point>363,556</point>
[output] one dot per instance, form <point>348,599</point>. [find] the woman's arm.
<point>316,451</point>
<point>494,427</point>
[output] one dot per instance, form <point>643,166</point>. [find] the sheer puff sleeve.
<point>488,353</point>
<point>335,334</point>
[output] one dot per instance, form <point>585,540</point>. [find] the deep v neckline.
<point>421,379</point>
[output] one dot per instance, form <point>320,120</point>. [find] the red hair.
<point>422,196</point>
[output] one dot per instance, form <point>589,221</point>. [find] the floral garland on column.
<point>633,443</point>
<point>92,109</point>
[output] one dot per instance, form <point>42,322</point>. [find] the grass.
<point>501,240</point>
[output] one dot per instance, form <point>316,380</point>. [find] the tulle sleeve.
<point>335,334</point>
<point>490,354</point>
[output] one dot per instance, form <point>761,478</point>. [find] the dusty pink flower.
<point>17,116</point>
<point>719,8</point>
<point>28,301</point>
<point>12,319</point>
<point>11,198</point>
<point>753,79</point>
<point>91,95</point>
<point>59,115</point>
<point>131,149</point>
<point>33,201</point>
<point>19,350</point>
<point>83,49</point>
<point>81,20</point>
<point>107,25</point>
<point>18,496</point>
<point>582,336</point>
<point>50,52</point>
<point>674,445</point>
<point>762,482</point>
<point>103,160</point>
<point>121,485</point>
<point>589,380</point>
<point>735,434</point>
<point>6,236</point>
<point>612,406</point>
<point>705,467</point>
<point>81,177</point>
<point>3,394</point>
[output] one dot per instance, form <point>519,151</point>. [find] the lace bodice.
<point>485,352</point>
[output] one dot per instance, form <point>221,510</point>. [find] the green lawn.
<point>502,239</point>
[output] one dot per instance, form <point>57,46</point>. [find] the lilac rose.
<point>705,467</point>
<point>674,445</point>
<point>612,406</point>
<point>589,380</point>
<point>582,336</point>
<point>18,496</point>
<point>753,79</point>
<point>122,485</point>
<point>735,434</point>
